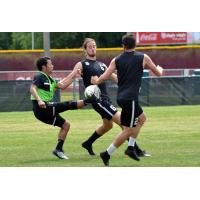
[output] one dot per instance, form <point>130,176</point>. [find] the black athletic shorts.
<point>50,115</point>
<point>105,109</point>
<point>131,110</point>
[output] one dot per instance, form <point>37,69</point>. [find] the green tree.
<point>59,40</point>
<point>75,39</point>
<point>23,40</point>
<point>5,40</point>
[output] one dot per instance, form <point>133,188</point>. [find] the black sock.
<point>92,138</point>
<point>60,145</point>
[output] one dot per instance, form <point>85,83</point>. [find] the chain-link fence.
<point>185,90</point>
<point>161,91</point>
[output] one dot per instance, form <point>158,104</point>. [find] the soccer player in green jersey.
<point>45,109</point>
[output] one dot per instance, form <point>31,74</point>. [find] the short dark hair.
<point>129,41</point>
<point>42,62</point>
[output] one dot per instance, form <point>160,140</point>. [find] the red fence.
<point>168,57</point>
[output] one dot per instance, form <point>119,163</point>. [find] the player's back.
<point>129,70</point>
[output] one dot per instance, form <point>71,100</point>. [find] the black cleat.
<point>143,154</point>
<point>105,157</point>
<point>88,148</point>
<point>92,99</point>
<point>140,152</point>
<point>130,151</point>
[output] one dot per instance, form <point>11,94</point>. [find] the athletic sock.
<point>111,149</point>
<point>131,141</point>
<point>60,145</point>
<point>92,138</point>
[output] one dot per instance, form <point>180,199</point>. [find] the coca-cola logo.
<point>148,37</point>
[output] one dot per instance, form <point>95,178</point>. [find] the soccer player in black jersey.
<point>129,66</point>
<point>91,67</point>
<point>42,90</point>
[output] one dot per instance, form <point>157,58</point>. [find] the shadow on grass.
<point>73,161</point>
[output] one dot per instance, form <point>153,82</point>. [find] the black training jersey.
<point>42,81</point>
<point>129,70</point>
<point>94,68</point>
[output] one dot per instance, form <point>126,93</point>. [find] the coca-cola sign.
<point>151,38</point>
<point>148,37</point>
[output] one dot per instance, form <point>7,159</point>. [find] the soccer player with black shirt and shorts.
<point>42,91</point>
<point>91,67</point>
<point>129,66</point>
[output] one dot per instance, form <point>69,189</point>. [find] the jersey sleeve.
<point>37,80</point>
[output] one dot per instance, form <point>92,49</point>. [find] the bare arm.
<point>65,82</point>
<point>33,91</point>
<point>114,78</point>
<point>106,75</point>
<point>148,64</point>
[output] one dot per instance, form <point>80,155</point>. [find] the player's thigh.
<point>117,118</point>
<point>140,114</point>
<point>47,118</point>
<point>142,118</point>
<point>128,113</point>
<point>105,109</point>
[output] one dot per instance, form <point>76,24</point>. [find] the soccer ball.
<point>92,89</point>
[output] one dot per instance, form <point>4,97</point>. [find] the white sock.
<point>131,141</point>
<point>111,149</point>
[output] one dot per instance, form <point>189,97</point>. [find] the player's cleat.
<point>88,147</point>
<point>60,154</point>
<point>105,157</point>
<point>143,154</point>
<point>92,99</point>
<point>130,151</point>
<point>140,152</point>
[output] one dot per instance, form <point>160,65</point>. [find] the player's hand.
<point>94,80</point>
<point>41,104</point>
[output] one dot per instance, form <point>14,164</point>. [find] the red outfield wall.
<point>168,57</point>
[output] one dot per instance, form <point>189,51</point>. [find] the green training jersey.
<point>45,86</point>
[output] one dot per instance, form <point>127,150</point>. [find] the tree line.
<point>58,40</point>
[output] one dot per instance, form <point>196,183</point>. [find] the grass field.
<point>171,135</point>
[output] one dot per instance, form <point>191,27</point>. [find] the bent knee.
<point>142,119</point>
<point>66,126</point>
<point>108,126</point>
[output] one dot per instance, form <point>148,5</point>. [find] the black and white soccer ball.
<point>92,89</point>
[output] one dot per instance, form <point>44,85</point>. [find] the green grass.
<point>171,135</point>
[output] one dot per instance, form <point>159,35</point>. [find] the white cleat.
<point>60,154</point>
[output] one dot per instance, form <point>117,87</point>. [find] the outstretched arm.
<point>65,82</point>
<point>114,78</point>
<point>106,75</point>
<point>148,64</point>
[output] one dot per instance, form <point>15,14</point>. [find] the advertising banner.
<point>161,38</point>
